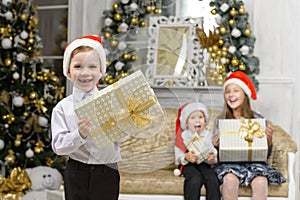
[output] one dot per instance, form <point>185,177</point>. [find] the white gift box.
<point>127,107</point>
<point>199,146</point>
<point>243,140</point>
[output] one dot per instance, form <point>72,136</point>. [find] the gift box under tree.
<point>127,107</point>
<point>242,140</point>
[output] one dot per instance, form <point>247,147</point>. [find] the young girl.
<point>91,173</point>
<point>192,119</point>
<point>238,89</point>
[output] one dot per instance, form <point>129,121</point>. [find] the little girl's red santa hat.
<point>241,79</point>
<point>92,41</point>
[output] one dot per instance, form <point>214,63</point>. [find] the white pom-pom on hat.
<point>177,172</point>
<point>92,41</point>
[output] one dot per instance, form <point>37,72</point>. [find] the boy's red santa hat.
<point>92,41</point>
<point>242,80</point>
<point>182,116</point>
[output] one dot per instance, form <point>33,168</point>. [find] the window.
<point>53,23</point>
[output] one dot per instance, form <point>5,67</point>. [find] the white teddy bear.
<point>42,178</point>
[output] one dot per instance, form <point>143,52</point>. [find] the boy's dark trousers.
<point>91,182</point>
<point>198,175</point>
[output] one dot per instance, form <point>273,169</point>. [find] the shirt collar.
<point>79,95</point>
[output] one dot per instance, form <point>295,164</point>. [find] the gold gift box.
<point>127,107</point>
<point>243,140</point>
<point>199,146</point>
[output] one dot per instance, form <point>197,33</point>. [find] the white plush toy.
<point>42,178</point>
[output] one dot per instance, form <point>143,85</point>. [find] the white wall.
<point>276,26</point>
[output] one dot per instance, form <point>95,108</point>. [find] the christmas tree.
<point>121,28</point>
<point>235,46</point>
<point>29,90</point>
<point>230,45</point>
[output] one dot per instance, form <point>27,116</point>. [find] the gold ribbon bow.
<point>59,93</point>
<point>133,109</point>
<point>251,130</point>
<point>40,105</point>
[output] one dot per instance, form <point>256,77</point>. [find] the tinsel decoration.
<point>236,34</point>
<point>121,28</point>
<point>15,185</point>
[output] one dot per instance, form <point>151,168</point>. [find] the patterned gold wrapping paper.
<point>235,145</point>
<point>199,146</point>
<point>127,107</point>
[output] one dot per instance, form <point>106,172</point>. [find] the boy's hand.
<point>211,157</point>
<point>84,126</point>
<point>191,156</point>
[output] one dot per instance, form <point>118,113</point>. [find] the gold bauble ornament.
<point>126,56</point>
<point>149,8</point>
<point>157,11</point>
<point>23,16</point>
<point>33,95</point>
<point>55,80</point>
<point>213,11</point>
<point>114,43</point>
<point>233,12</point>
<point>107,78</point>
<point>134,21</point>
<point>10,158</point>
<point>234,62</point>
<point>222,30</point>
<point>107,35</point>
<point>221,42</point>
<point>242,10</point>
<point>247,32</point>
<point>25,114</point>
<point>115,6</point>
<point>231,22</point>
<point>117,17</point>
<point>18,140</point>
<point>7,62</point>
<point>142,23</point>
<point>31,40</point>
<point>133,57</point>
<point>242,66</point>
<point>2,30</point>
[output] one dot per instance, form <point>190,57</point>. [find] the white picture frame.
<point>175,56</point>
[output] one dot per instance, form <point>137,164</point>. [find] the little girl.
<point>238,89</point>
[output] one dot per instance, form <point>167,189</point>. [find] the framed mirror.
<point>175,56</point>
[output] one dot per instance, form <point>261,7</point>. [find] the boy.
<point>192,119</point>
<point>91,173</point>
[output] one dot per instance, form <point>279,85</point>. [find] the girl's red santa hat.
<point>92,41</point>
<point>242,80</point>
